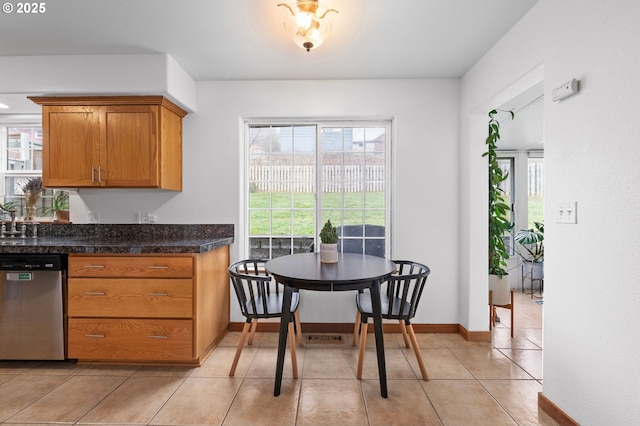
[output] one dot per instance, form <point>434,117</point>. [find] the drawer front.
<point>130,340</point>
<point>131,266</point>
<point>127,297</point>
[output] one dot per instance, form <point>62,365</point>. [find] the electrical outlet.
<point>150,217</point>
<point>566,212</point>
<point>94,217</point>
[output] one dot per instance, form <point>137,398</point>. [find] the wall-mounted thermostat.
<point>565,90</point>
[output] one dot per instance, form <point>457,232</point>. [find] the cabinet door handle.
<point>93,180</point>
<point>94,293</point>
<point>99,174</point>
<point>158,267</point>
<point>158,294</point>
<point>153,336</point>
<point>94,266</point>
<point>98,336</point>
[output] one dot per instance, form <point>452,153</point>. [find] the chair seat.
<point>274,305</point>
<point>363,301</point>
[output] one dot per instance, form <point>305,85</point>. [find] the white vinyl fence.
<point>357,178</point>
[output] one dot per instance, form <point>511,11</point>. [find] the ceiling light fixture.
<point>307,27</point>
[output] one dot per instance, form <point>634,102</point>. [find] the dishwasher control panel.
<point>31,262</point>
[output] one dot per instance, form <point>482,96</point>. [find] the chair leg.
<point>254,325</point>
<point>491,308</point>
<point>292,344</point>
<point>356,328</point>
<point>245,330</point>
<point>363,344</point>
<point>296,318</point>
<point>404,334</point>
<point>416,349</point>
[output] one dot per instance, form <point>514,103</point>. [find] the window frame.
<point>519,187</point>
<point>319,123</point>
<point>17,121</point>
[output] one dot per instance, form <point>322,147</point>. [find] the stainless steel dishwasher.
<point>31,307</point>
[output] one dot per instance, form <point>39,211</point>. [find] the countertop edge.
<point>128,248</point>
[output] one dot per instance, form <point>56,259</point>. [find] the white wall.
<point>592,291</point>
<point>424,153</point>
<point>143,74</point>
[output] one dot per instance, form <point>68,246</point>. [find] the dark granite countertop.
<point>116,238</point>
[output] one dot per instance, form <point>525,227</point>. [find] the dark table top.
<point>352,271</point>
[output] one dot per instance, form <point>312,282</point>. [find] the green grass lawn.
<point>294,214</point>
<point>536,210</point>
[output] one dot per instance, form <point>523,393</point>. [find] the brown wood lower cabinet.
<point>130,339</point>
<point>147,308</point>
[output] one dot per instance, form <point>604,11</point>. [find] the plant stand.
<point>535,272</point>
<point>500,296</point>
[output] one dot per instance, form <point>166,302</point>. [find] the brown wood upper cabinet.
<point>111,141</point>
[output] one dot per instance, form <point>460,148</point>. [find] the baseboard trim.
<point>333,327</point>
<point>555,412</point>
<point>474,336</point>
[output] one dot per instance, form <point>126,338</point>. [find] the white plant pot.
<point>328,253</point>
<point>501,289</point>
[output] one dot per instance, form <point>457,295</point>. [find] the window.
<point>21,158</point>
<point>300,175</point>
<point>507,166</point>
<point>535,186</point>
<point>524,188</point>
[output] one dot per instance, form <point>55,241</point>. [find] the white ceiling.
<point>243,40</point>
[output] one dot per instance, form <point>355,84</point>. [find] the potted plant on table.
<point>532,241</point>
<point>329,243</point>
<point>499,223</point>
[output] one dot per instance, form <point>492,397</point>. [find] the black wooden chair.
<point>260,297</point>
<point>400,296</point>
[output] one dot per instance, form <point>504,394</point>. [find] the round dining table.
<point>305,271</point>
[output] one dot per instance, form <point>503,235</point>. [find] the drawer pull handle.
<point>94,266</point>
<point>94,293</point>
<point>158,267</point>
<point>100,336</point>
<point>153,336</point>
<point>159,294</point>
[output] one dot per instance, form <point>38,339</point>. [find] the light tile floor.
<point>470,384</point>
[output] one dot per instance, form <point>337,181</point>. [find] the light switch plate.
<point>566,212</point>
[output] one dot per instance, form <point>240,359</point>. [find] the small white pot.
<point>328,253</point>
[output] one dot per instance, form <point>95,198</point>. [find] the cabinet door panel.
<point>130,297</point>
<point>130,266</point>
<point>130,155</point>
<point>71,138</point>
<point>130,340</point>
